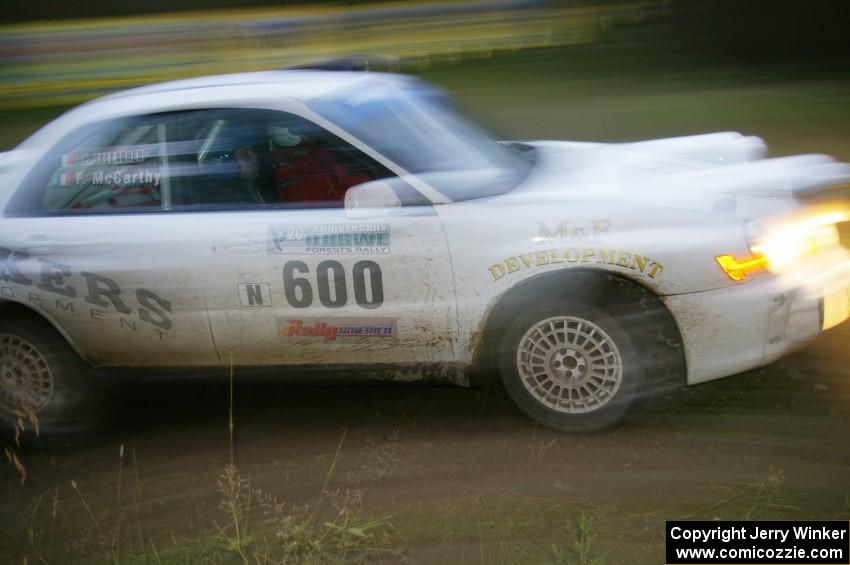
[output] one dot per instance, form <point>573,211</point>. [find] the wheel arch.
<point>13,307</point>
<point>566,283</point>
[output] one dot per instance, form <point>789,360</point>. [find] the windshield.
<point>414,126</point>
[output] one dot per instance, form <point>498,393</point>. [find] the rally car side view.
<point>333,219</point>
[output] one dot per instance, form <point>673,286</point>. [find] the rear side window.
<point>117,167</point>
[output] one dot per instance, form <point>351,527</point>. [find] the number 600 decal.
<point>299,290</point>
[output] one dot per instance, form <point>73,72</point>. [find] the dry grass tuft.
<point>23,415</point>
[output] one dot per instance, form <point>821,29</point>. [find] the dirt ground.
<point>460,476</point>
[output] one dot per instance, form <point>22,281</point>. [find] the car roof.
<point>298,84</point>
<point>207,91</point>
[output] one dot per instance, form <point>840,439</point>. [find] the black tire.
<point>52,381</point>
<point>617,331</point>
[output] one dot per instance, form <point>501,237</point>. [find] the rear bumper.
<point>736,329</point>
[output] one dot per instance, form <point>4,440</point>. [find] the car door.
<point>293,277</point>
<point>90,241</point>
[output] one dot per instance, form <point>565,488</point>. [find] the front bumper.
<point>739,328</point>
<point>836,308</point>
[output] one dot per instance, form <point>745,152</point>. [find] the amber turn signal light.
<point>737,269</point>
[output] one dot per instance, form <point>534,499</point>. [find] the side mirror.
<point>370,200</point>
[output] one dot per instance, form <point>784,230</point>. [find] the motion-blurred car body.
<point>305,218</point>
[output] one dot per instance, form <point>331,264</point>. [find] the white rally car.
<point>339,219</point>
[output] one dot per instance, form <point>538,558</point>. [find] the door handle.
<point>38,245</point>
<point>46,244</point>
<point>238,244</point>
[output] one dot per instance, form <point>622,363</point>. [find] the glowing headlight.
<point>785,246</point>
<point>781,245</point>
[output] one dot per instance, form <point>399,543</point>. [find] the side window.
<point>266,159</point>
<point>119,165</point>
<point>221,159</point>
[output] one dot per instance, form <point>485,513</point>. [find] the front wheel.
<point>572,366</point>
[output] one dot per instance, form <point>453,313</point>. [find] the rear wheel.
<point>42,377</point>
<point>25,378</point>
<point>575,366</point>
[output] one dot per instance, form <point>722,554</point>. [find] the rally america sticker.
<point>331,329</point>
<point>330,239</point>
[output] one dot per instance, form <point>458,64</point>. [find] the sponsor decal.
<point>624,259</point>
<point>331,329</point>
<point>330,239</point>
<point>254,294</point>
<point>53,285</point>
<point>589,231</point>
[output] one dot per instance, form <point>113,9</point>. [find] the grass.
<point>581,546</point>
<point>253,526</point>
<point>44,529</point>
<point>766,496</point>
<point>605,92</point>
<point>287,536</point>
<point>547,98</point>
<point>22,417</point>
<point>248,524</point>
<point>17,125</point>
<point>66,524</point>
